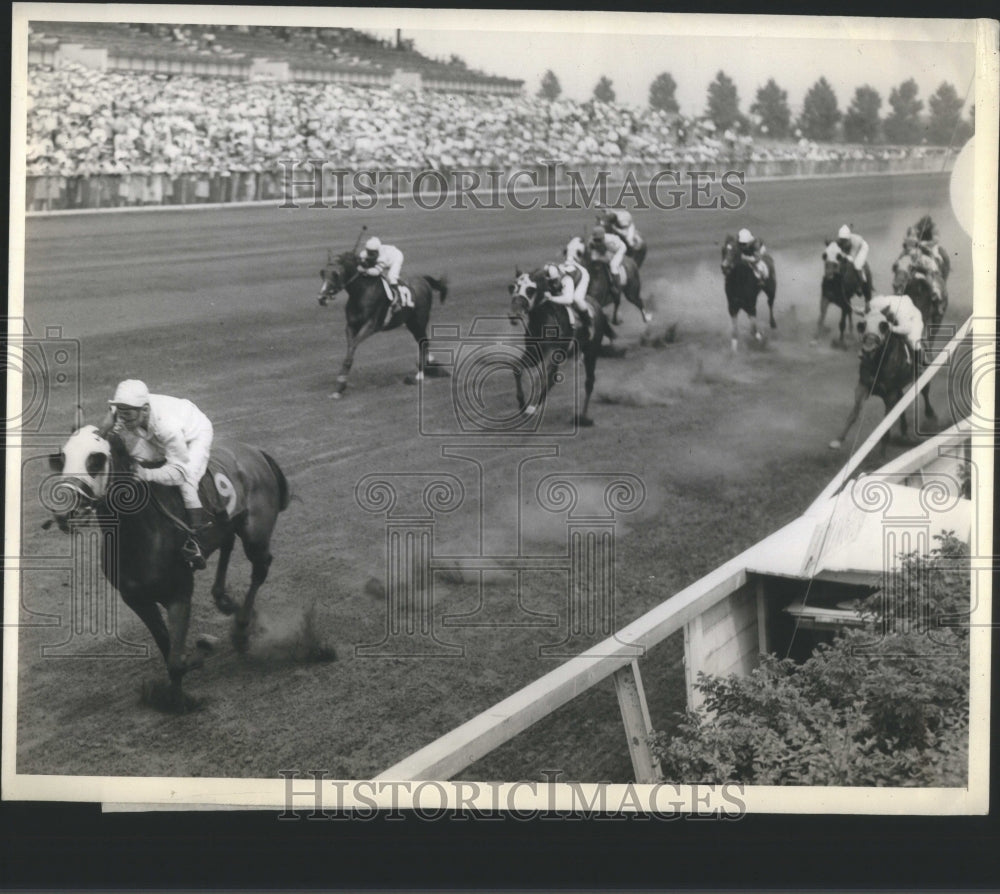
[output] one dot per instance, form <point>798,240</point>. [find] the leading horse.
<point>143,536</point>
<point>368,304</point>
<point>742,288</point>
<point>551,338</point>
<point>909,279</point>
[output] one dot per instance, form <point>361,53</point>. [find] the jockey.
<point>856,249</point>
<point>609,249</point>
<point>902,315</point>
<point>560,288</point>
<point>926,241</point>
<point>926,264</point>
<point>386,261</point>
<point>752,251</point>
<point>158,428</point>
<point>621,224</point>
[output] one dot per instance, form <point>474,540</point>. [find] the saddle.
<point>221,488</point>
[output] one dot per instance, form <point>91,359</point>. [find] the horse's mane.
<point>121,460</point>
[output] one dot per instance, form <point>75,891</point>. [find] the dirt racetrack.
<point>220,306</point>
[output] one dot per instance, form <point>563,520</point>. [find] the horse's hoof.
<point>585,421</point>
<point>647,316</point>
<point>206,642</point>
<point>224,603</point>
<point>409,380</point>
<point>337,395</point>
<point>161,696</point>
<point>929,413</point>
<point>530,410</point>
<point>813,342</point>
<point>734,345</point>
<point>241,637</point>
<point>834,445</point>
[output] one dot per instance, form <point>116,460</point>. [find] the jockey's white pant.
<point>198,453</point>
<point>571,295</point>
<point>392,274</point>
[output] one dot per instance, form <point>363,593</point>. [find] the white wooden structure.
<point>845,536</point>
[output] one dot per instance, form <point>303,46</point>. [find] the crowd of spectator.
<point>84,123</point>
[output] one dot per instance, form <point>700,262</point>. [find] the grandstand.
<point>334,55</point>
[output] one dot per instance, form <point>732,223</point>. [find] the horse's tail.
<point>284,492</point>
<point>439,285</point>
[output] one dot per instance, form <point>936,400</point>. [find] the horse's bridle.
<point>518,292</point>
<point>327,292</point>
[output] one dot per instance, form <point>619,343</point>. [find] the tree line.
<point>821,118</point>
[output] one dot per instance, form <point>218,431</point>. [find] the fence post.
<point>638,727</point>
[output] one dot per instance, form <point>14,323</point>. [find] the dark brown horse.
<point>742,288</point>
<point>97,477</point>
<point>550,339</point>
<point>909,279</point>
<point>886,371</point>
<point>368,306</point>
<point>839,285</point>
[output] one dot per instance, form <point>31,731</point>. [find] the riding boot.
<point>193,550</point>
<point>586,322</point>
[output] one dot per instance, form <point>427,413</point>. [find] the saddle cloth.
<point>221,488</point>
<point>405,295</point>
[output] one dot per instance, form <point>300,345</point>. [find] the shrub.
<point>887,704</point>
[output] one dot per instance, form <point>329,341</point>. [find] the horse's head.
<point>730,253</point>
<point>873,332</point>
<point>83,467</point>
<point>337,273</point>
<point>833,259</point>
<point>524,293</point>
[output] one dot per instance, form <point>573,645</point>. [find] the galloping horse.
<point>367,306</point>
<point>839,285</point>
<point>599,273</point>
<point>638,253</point>
<point>742,288</point>
<point>96,475</point>
<point>549,336</point>
<point>885,371</point>
<point>909,280</point>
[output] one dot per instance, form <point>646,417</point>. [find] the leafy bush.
<point>887,704</point>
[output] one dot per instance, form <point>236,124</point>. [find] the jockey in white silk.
<point>855,247</point>
<point>609,249</point>
<point>752,251</point>
<point>560,288</point>
<point>623,226</point>
<point>380,259</point>
<point>157,427</point>
<point>902,314</point>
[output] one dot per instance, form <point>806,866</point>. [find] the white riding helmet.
<point>844,232</point>
<point>624,219</point>
<point>745,237</point>
<point>130,393</point>
<point>552,272</point>
<point>373,244</point>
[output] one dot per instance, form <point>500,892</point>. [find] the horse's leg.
<point>178,617</point>
<point>418,329</point>
<point>521,365</point>
<point>860,393</point>
<point>549,370</point>
<point>353,340</point>
<point>754,331</point>
<point>589,364</point>
<point>771,294</point>
<point>223,601</point>
<point>633,292</point>
<point>735,335</point>
<point>925,393</point>
<point>824,304</point>
<point>259,554</point>
<point>149,613</point>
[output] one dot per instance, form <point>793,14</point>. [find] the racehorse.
<point>742,288</point>
<point>636,253</point>
<point>925,230</point>
<point>367,305</point>
<point>143,536</point>
<point>886,369</point>
<point>551,338</point>
<point>839,285</point>
<point>910,280</point>
<point>600,281</point>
